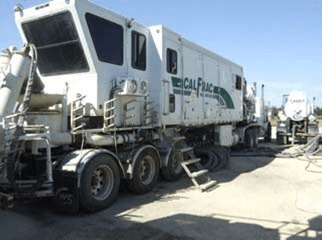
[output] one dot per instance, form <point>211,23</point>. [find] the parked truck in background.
<point>297,119</point>
<point>94,97</point>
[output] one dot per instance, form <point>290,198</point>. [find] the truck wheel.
<point>215,163</point>
<point>281,139</point>
<point>145,172</point>
<point>100,181</point>
<point>206,155</point>
<point>250,139</point>
<point>174,170</point>
<point>221,159</point>
<point>268,135</point>
<point>255,138</point>
<point>227,150</point>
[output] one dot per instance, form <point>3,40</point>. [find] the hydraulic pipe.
<point>263,105</point>
<point>109,140</point>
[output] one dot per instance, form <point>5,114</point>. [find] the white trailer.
<point>107,98</point>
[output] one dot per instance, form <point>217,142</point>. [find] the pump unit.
<point>94,97</point>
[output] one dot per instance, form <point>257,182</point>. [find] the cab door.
<point>172,82</point>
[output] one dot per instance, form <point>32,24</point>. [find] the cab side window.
<point>138,57</point>
<point>172,61</point>
<point>108,39</point>
<point>238,83</point>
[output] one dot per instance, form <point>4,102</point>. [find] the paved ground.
<point>259,197</point>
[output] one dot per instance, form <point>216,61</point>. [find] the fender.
<point>166,160</point>
<point>243,130</point>
<point>136,155</point>
<point>76,161</point>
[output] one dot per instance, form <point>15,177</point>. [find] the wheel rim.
<point>102,182</point>
<point>147,170</point>
<point>176,162</point>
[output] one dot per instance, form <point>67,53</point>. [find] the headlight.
<point>131,86</point>
<point>143,87</point>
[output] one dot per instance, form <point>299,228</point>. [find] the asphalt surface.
<point>259,196</point>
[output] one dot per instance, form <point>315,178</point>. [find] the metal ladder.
<point>77,113</point>
<point>109,114</point>
<point>198,175</point>
<point>27,97</point>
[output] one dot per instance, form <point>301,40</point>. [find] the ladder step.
<point>177,139</point>
<point>79,99</point>
<point>109,101</point>
<point>79,117</point>
<point>208,185</point>
<point>199,173</point>
<point>79,108</point>
<point>186,149</point>
<point>26,181</point>
<point>108,118</point>
<point>79,127</point>
<point>112,125</point>
<point>110,109</point>
<point>191,161</point>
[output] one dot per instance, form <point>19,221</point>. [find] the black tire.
<point>249,139</point>
<point>281,139</point>
<point>99,185</point>
<point>173,171</point>
<point>255,138</point>
<point>228,154</point>
<point>145,172</point>
<point>268,135</point>
<point>216,161</point>
<point>222,159</point>
<point>206,157</point>
<point>228,149</point>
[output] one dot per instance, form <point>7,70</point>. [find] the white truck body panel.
<point>203,88</point>
<point>108,98</point>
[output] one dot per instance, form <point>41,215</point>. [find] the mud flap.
<point>66,191</point>
<point>6,201</point>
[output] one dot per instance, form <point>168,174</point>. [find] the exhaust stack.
<point>15,68</point>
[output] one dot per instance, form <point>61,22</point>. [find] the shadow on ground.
<point>39,219</point>
<point>247,160</point>
<point>313,231</point>
<point>175,227</point>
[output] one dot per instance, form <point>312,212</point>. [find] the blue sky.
<point>278,42</point>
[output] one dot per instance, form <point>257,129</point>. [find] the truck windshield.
<point>58,45</point>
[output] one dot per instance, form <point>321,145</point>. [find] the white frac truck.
<point>297,119</point>
<point>94,97</point>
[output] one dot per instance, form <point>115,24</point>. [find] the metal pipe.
<point>109,140</point>
<point>17,72</point>
<point>49,170</point>
<point>263,105</point>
